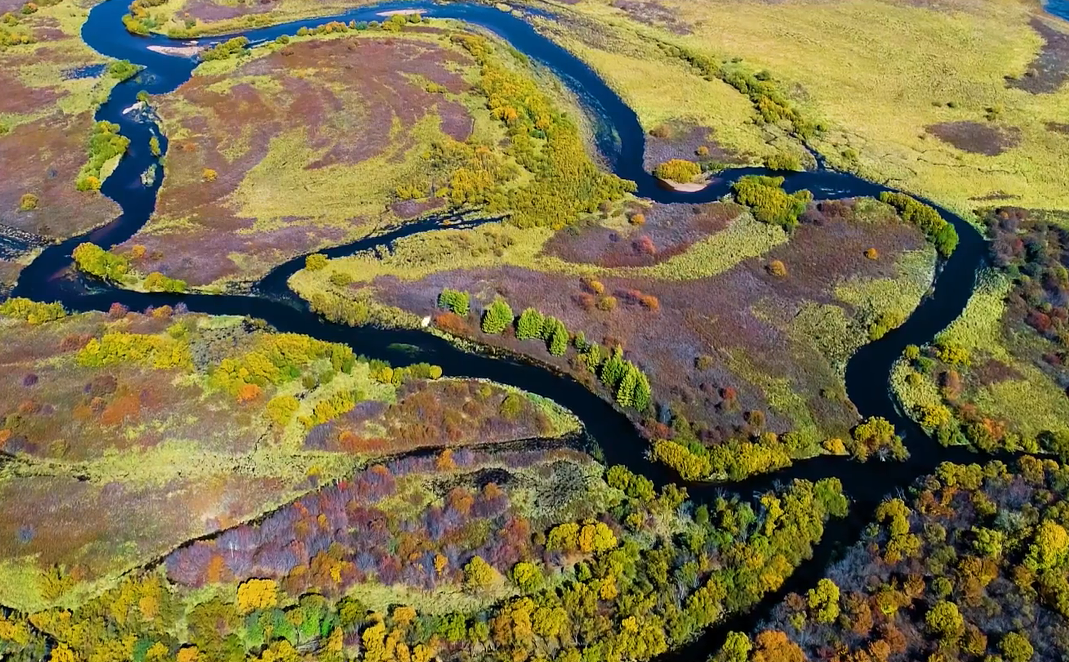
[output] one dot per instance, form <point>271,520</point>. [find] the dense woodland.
<point>644,576</point>
<point>974,565</point>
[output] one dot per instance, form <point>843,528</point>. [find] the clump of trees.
<point>678,170</point>
<point>34,312</point>
<point>138,21</point>
<point>971,566</point>
<point>123,70</point>
<point>225,50</point>
<point>769,202</point>
<point>565,182</point>
<point>93,259</point>
<point>120,348</point>
<point>157,282</point>
<point>876,436</point>
<point>938,231</point>
<point>105,143</point>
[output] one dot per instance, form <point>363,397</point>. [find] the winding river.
<point>621,141</point>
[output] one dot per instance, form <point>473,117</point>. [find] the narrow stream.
<point>621,141</point>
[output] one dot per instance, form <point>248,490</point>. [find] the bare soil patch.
<point>1058,127</point>
<point>652,13</point>
<point>975,137</point>
<point>1050,69</point>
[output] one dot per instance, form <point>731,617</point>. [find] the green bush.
<point>123,69</point>
<point>941,233</point>
<point>678,170</point>
<point>497,317</point>
<point>529,324</point>
<point>225,50</point>
<point>93,259</point>
<point>456,301</point>
<point>769,202</point>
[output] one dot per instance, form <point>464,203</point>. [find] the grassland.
<point>53,85</point>
<point>336,138</point>
<point>125,435</point>
<point>742,340</point>
<point>886,77</point>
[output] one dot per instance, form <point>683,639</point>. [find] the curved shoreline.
<point>621,141</point>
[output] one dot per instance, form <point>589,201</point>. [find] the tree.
<point>1016,647</point>
<point>497,317</point>
<point>529,324</point>
<point>824,601</point>
<point>455,300</point>
<point>257,594</point>
<point>558,342</point>
<point>315,262</point>
<point>1049,547</point>
<point>945,621</point>
<point>478,574</point>
<point>527,576</point>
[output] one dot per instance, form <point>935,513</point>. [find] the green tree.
<point>1016,647</point>
<point>315,262</point>
<point>558,342</point>
<point>478,574</point>
<point>497,317</point>
<point>529,324</point>
<point>824,601</point>
<point>455,300</point>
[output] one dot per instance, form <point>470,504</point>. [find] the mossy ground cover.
<point>744,337</point>
<point>124,435</point>
<point>52,86</point>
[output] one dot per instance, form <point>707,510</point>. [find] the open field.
<point>957,106</point>
<point>997,376</point>
<point>341,124</point>
<point>52,86</point>
<point>727,342</point>
<point>962,567</point>
<point>125,435</point>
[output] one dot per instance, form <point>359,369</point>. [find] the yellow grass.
<point>874,70</point>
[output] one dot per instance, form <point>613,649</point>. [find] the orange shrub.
<point>249,392</point>
<point>777,268</point>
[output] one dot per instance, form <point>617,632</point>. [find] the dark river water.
<point>621,141</point>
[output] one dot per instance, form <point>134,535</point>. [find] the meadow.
<point>761,322</point>
<point>53,84</point>
<point>996,378</point>
<point>126,434</point>
<point>962,106</point>
<point>343,122</point>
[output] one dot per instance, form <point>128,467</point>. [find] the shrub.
<point>769,202</point>
<point>637,218</point>
<point>31,311</point>
<point>783,161</point>
<point>702,151</point>
<point>872,254</point>
<point>154,146</point>
<point>28,202</point>
<point>315,262</point>
<point>935,227</point>
<point>93,259</point>
<point>607,303</point>
<point>497,317</point>
<point>777,268</point>
<point>455,300</point>
<point>529,324</point>
<point>209,175</point>
<point>340,279</point>
<point>689,465</point>
<point>678,170</point>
